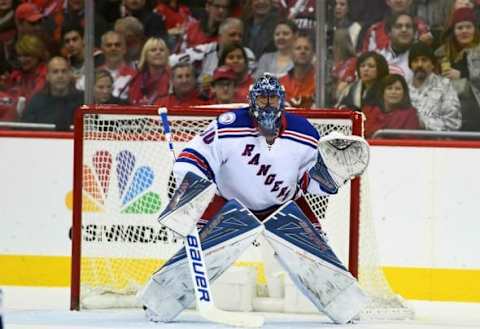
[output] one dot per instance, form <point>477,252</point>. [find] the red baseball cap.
<point>28,12</point>
<point>223,72</point>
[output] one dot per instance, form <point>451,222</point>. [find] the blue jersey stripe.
<point>238,136</point>
<point>211,174</point>
<point>314,146</point>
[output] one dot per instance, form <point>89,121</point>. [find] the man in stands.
<point>260,22</point>
<point>401,31</point>
<point>205,57</point>
<point>433,96</point>
<point>73,49</point>
<point>114,49</point>
<point>300,81</point>
<point>184,86</point>
<point>206,31</point>
<point>376,37</point>
<point>57,102</point>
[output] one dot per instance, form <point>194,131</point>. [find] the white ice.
<point>41,308</point>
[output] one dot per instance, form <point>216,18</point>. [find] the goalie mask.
<point>267,103</point>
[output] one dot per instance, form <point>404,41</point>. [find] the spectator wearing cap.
<point>460,58</point>
<point>432,95</point>
<point>234,55</point>
<point>223,85</point>
<point>30,20</point>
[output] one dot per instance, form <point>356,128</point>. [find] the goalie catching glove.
<point>340,158</point>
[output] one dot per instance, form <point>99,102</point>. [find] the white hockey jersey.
<point>233,154</point>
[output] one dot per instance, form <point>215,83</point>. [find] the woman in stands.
<point>152,80</point>
<point>278,63</point>
<point>343,20</point>
<point>234,56</point>
<point>371,68</point>
<point>394,109</point>
<point>103,90</point>
<point>460,62</point>
<point>30,76</point>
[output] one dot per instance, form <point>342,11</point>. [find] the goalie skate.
<point>223,240</point>
<point>312,265</point>
<point>187,204</point>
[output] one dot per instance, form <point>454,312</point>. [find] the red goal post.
<point>122,179</point>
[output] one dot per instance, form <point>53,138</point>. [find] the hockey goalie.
<point>246,175</point>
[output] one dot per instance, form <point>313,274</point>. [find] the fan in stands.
<point>264,160</point>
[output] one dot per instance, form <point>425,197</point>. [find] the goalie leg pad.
<point>224,238</point>
<point>187,204</point>
<point>312,265</point>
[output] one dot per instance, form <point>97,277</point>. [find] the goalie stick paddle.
<point>196,262</point>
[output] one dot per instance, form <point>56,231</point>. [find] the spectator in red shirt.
<point>30,20</point>
<point>299,83</point>
<point>184,85</point>
<point>152,80</point>
<point>30,77</point>
<point>376,37</point>
<point>394,109</point>
<point>114,49</point>
<point>199,32</point>
<point>135,38</point>
<point>176,16</point>
<point>223,85</point>
<point>234,55</point>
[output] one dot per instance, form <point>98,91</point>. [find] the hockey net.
<point>122,180</point>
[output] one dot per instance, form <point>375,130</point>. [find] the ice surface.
<point>27,308</point>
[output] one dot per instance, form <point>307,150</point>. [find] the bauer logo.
<point>118,184</point>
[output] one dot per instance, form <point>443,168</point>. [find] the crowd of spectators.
<point>406,64</point>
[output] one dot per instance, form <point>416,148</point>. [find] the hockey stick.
<point>198,268</point>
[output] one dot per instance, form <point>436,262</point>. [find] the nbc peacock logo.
<point>117,184</point>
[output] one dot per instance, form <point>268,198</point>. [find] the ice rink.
<point>28,308</point>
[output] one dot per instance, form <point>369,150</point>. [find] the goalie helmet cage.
<point>122,177</point>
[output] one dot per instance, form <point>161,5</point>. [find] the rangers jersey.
<point>232,153</point>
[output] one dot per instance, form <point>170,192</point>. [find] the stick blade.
<point>234,319</point>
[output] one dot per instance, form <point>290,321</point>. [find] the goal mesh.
<point>122,181</point>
